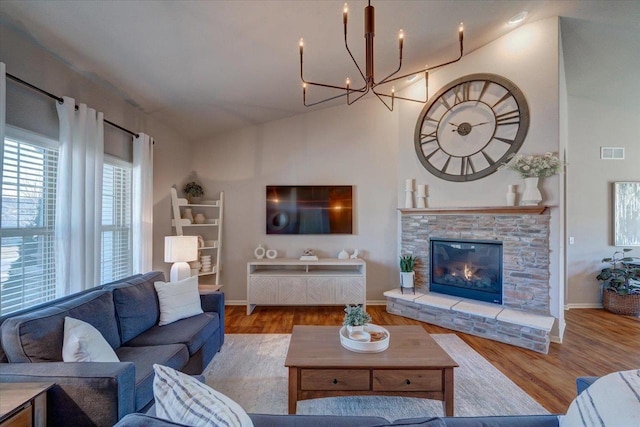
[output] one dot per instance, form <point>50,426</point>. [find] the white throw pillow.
<point>84,343</point>
<point>178,300</point>
<point>182,399</point>
<point>611,401</point>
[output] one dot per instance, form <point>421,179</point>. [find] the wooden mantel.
<point>492,210</point>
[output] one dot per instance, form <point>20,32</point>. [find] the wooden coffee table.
<point>414,365</point>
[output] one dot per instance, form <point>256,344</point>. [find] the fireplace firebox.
<point>467,268</point>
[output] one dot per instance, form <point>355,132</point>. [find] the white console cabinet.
<point>287,281</point>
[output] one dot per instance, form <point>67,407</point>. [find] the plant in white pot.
<point>355,318</point>
<point>407,275</point>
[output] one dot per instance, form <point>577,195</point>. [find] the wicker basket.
<point>628,305</point>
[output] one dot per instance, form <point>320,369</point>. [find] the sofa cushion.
<point>178,300</point>
<point>183,399</point>
<point>173,355</point>
<point>84,343</point>
<point>136,304</point>
<point>37,336</point>
<point>192,332</point>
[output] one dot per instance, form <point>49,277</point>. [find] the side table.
<point>23,404</point>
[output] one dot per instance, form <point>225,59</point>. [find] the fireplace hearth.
<point>467,268</point>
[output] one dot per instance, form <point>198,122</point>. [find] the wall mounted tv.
<point>309,209</point>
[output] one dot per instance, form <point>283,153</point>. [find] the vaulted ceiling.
<point>205,67</point>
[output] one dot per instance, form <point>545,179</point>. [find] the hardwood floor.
<point>596,342</point>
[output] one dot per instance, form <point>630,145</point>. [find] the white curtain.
<point>142,222</point>
<point>3,116</point>
<point>79,197</point>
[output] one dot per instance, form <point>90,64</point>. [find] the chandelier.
<point>370,84</point>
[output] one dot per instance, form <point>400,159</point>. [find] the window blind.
<point>28,219</point>
<point>117,259</point>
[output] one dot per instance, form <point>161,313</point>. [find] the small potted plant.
<point>407,274</point>
<point>193,191</point>
<point>621,284</point>
<point>355,318</point>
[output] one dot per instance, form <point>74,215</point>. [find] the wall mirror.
<point>626,213</point>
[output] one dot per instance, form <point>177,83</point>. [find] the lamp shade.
<point>180,248</point>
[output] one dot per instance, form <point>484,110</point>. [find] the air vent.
<point>612,153</point>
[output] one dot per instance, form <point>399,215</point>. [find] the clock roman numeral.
<point>446,165</point>
<point>432,153</point>
<point>505,140</point>
<point>467,166</point>
<point>432,136</point>
<point>509,118</point>
<point>505,97</point>
<point>444,102</point>
<point>462,92</point>
<point>488,158</point>
<point>484,90</point>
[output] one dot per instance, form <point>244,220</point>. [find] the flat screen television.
<point>309,209</point>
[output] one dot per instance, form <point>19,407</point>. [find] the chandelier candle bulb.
<point>301,46</point>
<point>345,12</point>
<point>400,39</point>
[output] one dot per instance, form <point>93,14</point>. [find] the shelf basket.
<point>629,305</point>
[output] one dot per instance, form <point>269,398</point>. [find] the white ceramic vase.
<point>188,214</point>
<point>511,195</point>
<point>343,254</point>
<point>259,252</point>
<point>199,218</point>
<point>531,195</point>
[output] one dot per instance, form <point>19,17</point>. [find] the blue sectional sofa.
<point>126,313</point>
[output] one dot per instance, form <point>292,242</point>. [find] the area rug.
<point>250,370</point>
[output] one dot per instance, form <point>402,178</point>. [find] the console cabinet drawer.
<point>407,380</point>
<point>334,379</point>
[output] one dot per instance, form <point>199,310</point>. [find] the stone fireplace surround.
<point>523,319</point>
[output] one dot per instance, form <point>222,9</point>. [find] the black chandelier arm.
<point>379,95</point>
<point>349,102</point>
<point>363,88</point>
<point>346,45</point>
<point>386,79</point>
<point>394,96</point>
<point>304,99</point>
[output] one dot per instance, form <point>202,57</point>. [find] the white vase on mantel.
<point>531,195</point>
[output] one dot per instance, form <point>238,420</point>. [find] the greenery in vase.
<point>534,166</point>
<point>355,316</point>
<point>406,263</point>
<point>622,277</point>
<point>193,189</point>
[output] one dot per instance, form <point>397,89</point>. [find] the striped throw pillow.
<point>185,400</point>
<point>611,401</point>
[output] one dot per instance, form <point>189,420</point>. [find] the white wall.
<point>528,56</point>
<point>601,64</point>
<point>354,145</point>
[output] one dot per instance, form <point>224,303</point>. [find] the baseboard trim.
<point>582,305</point>
<point>244,302</point>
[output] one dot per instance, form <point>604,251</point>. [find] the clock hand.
<point>453,124</point>
<point>470,126</point>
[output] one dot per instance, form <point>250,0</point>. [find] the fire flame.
<point>468,274</point>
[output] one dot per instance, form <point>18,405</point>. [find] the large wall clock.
<point>471,126</point>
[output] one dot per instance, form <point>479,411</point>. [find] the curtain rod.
<point>60,100</point>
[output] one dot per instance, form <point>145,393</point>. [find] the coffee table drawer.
<point>334,379</point>
<point>407,380</point>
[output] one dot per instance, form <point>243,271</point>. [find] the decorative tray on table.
<point>378,341</point>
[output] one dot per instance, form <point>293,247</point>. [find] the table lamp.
<point>179,250</point>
